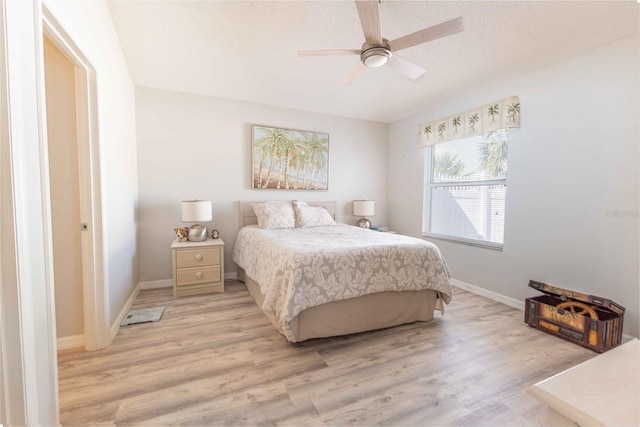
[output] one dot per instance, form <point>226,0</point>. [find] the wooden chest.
<point>590,321</point>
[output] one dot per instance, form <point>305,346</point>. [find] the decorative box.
<point>588,320</point>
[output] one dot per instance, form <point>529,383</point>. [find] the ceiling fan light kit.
<point>377,51</point>
<point>375,57</point>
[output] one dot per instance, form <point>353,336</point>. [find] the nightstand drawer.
<point>196,257</point>
<point>190,276</point>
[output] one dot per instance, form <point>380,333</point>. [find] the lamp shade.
<point>364,207</point>
<point>196,210</point>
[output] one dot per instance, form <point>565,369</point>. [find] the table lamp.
<point>196,211</point>
<point>364,208</point>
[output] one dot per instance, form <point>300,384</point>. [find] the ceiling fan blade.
<point>427,34</point>
<point>328,52</point>
<point>407,68</point>
<point>354,74</point>
<point>369,13</point>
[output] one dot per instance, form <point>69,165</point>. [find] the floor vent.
<point>143,315</point>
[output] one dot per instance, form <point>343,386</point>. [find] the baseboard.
<point>125,310</point>
<point>66,343</point>
<point>156,284</point>
<point>511,302</point>
<point>167,283</point>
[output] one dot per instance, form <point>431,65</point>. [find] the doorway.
<point>75,200</point>
<point>64,187</point>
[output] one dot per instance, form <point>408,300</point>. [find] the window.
<point>466,190</point>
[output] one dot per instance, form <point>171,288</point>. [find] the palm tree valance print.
<point>479,121</point>
<point>287,159</point>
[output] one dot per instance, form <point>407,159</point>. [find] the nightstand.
<point>198,267</point>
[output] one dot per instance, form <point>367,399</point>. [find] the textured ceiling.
<point>246,50</point>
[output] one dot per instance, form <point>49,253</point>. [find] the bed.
<point>335,279</point>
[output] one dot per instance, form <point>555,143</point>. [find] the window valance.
<point>501,114</point>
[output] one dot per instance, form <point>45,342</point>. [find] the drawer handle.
<point>199,257</point>
<point>199,275</point>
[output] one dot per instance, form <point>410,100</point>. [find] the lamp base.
<point>197,233</point>
<point>363,223</point>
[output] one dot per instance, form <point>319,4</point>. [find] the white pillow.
<point>311,216</point>
<point>275,214</point>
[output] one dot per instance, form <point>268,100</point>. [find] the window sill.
<point>468,242</point>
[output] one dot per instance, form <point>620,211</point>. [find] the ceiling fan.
<point>377,51</point>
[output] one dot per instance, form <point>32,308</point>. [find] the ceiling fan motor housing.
<point>375,56</point>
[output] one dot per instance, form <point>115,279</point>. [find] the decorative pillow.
<point>275,214</point>
<point>311,216</point>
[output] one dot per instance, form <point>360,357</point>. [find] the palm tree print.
<point>316,158</point>
<point>512,110</point>
<point>442,127</point>
<point>493,111</point>
<point>425,134</point>
<point>473,119</point>
<point>269,147</point>
<point>456,122</point>
<point>288,159</point>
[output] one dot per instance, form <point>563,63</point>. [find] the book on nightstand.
<point>382,228</point>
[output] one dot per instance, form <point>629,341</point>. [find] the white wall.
<point>90,26</point>
<point>572,200</point>
<point>193,146</point>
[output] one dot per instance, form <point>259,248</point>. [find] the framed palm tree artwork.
<point>288,159</point>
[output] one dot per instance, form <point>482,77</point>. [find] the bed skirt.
<point>359,314</point>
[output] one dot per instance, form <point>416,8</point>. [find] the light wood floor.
<point>216,360</point>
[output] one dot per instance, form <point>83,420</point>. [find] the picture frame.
<point>289,159</point>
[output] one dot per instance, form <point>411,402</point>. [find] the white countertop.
<point>603,391</point>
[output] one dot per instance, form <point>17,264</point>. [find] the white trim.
<point>156,284</point>
<point>49,306</point>
<point>477,183</point>
<point>494,296</point>
<point>231,276</point>
<point>73,341</point>
<point>12,404</point>
<point>115,327</point>
<point>469,242</point>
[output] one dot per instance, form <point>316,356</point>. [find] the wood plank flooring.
<point>215,360</point>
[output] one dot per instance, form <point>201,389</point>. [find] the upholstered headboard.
<point>248,217</point>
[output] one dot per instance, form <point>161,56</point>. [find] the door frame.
<point>96,322</point>
<point>27,329</point>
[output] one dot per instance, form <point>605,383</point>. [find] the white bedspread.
<point>299,268</point>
